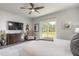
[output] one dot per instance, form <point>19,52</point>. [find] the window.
<point>48,29</point>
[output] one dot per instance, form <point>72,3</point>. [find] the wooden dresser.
<point>13,38</point>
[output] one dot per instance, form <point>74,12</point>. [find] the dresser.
<point>12,38</point>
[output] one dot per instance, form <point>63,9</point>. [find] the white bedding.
<point>49,48</point>
<point>39,48</point>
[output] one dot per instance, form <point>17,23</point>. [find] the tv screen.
<point>15,25</point>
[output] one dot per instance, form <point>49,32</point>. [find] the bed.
<point>58,47</point>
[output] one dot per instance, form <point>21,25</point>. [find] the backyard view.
<point>48,30</point>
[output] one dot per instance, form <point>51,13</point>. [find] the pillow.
<point>30,37</point>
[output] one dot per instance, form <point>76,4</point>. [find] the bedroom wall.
<point>6,16</point>
<point>69,15</point>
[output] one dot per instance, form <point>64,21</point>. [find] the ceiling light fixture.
<point>32,10</point>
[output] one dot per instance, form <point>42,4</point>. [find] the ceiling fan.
<point>33,8</point>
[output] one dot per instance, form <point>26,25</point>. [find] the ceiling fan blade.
<point>30,12</point>
<point>39,7</point>
<point>22,8</point>
<point>30,8</point>
<point>37,11</point>
<point>32,5</point>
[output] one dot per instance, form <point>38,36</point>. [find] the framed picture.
<point>36,27</point>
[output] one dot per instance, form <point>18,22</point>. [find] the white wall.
<point>62,17</point>
<point>6,16</point>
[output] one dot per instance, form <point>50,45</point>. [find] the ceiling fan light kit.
<point>33,8</point>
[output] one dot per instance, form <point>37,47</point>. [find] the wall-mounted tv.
<point>15,25</point>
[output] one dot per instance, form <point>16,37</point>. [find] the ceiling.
<point>49,8</point>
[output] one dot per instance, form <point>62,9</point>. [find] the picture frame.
<point>36,27</point>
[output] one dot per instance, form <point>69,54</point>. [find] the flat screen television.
<point>15,25</point>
